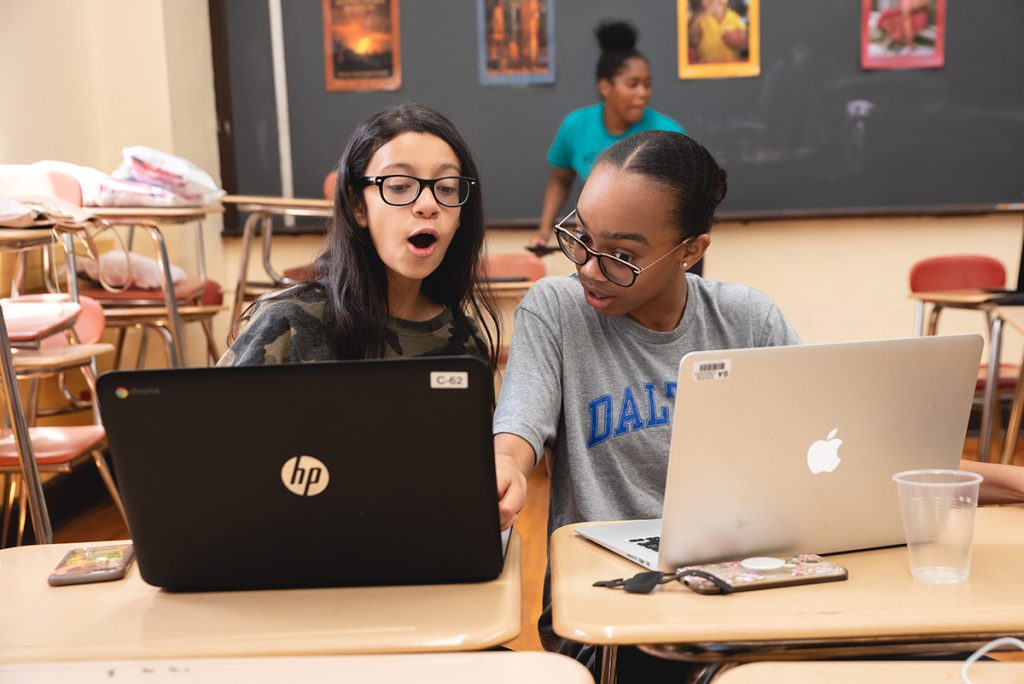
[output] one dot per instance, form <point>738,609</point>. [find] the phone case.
<point>93,564</point>
<point>803,569</point>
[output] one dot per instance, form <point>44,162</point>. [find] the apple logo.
<point>823,456</point>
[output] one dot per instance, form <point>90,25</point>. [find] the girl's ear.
<point>604,86</point>
<point>694,251</point>
<point>359,212</point>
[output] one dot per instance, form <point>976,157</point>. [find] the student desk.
<point>150,219</point>
<point>880,609</point>
<point>261,211</point>
<point>879,672</point>
<point>980,300</point>
<point>129,619</point>
<point>1014,317</point>
<point>494,667</point>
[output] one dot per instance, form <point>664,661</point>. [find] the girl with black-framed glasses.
<point>398,274</point>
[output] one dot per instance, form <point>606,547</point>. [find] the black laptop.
<point>337,474</point>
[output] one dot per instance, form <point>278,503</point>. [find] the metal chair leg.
<point>108,480</point>
<point>10,496</point>
<point>119,347</point>
<point>22,509</point>
<point>168,341</point>
<point>140,360</point>
<point>1013,428</point>
<point>211,347</point>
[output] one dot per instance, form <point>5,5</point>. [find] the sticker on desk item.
<point>712,370</point>
<point>452,380</point>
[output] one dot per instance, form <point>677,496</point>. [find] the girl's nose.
<point>426,204</point>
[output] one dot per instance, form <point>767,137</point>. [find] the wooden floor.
<point>104,523</point>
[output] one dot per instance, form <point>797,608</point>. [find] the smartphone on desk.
<point>93,564</point>
<point>767,573</point>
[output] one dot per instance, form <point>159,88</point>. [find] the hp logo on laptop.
<point>305,475</point>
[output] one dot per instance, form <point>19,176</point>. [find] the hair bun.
<point>616,36</point>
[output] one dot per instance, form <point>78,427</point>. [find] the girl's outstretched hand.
<point>511,489</point>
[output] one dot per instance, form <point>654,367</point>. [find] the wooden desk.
<point>880,672</point>
<point>131,619</point>
<point>507,667</point>
<point>879,610</point>
<point>1014,317</point>
<point>150,219</point>
<point>261,211</point>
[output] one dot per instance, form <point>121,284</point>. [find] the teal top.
<point>582,137</point>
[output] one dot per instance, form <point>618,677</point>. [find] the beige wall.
<point>139,72</point>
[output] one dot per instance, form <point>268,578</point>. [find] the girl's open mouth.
<point>423,240</point>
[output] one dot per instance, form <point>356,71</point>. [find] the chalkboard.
<point>813,135</point>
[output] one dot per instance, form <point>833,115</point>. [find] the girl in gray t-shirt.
<point>592,370</point>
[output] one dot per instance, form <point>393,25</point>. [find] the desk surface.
<point>1013,316</point>
<point>155,214</point>
<point>270,203</point>
<point>435,668</point>
<point>880,672</point>
<point>130,619</point>
<point>879,601</point>
<point>956,297</point>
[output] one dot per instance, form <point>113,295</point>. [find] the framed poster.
<point>361,45</point>
<point>719,38</point>
<point>516,41</point>
<point>903,34</point>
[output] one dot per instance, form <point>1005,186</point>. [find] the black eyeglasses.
<point>616,270</point>
<point>399,191</point>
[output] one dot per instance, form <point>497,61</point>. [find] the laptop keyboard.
<point>647,542</point>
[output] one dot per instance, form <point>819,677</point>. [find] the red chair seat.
<point>185,290</point>
<point>509,266</point>
<point>306,273</point>
<point>213,295</point>
<point>54,445</point>
<point>1007,379</point>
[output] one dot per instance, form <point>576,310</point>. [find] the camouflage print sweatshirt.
<point>296,326</point>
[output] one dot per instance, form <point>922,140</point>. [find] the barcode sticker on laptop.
<point>712,370</point>
<point>452,380</point>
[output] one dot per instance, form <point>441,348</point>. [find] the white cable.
<point>994,644</point>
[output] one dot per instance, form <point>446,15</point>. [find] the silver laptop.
<point>784,450</point>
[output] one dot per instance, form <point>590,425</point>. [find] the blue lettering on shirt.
<point>658,415</point>
<point>630,418</point>
<point>629,415</point>
<point>600,411</point>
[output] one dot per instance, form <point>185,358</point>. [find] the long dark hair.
<point>618,45</point>
<point>351,271</point>
<point>681,164</point>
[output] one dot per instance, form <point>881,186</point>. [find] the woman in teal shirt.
<point>624,81</point>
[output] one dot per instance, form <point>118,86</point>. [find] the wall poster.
<point>516,41</point>
<point>719,38</point>
<point>361,45</point>
<point>903,34</point>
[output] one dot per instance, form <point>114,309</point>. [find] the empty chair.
<point>971,275</point>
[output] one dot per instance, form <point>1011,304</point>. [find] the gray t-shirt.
<point>600,391</point>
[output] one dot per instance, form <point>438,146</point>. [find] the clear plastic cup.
<point>938,519</point>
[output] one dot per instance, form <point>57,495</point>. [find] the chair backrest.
<point>512,266</point>
<point>329,182</point>
<point>957,272</point>
<point>88,327</point>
